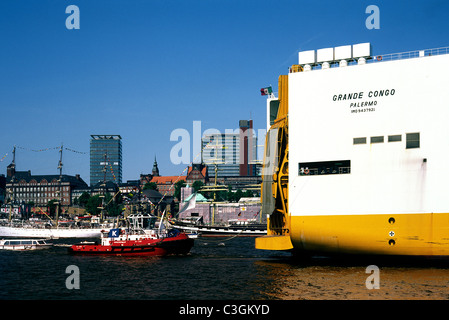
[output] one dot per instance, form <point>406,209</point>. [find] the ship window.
<point>379,139</point>
<point>274,107</point>
<point>395,138</point>
<point>360,140</point>
<point>324,167</point>
<point>412,140</point>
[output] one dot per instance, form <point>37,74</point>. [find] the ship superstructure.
<point>357,153</point>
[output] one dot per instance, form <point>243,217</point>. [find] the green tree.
<point>248,194</point>
<point>197,185</point>
<point>52,208</point>
<point>113,206</point>
<point>238,194</point>
<point>178,185</point>
<point>83,199</point>
<point>92,205</point>
<point>150,185</point>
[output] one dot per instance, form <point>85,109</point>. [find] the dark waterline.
<point>216,269</point>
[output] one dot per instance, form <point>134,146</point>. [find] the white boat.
<point>236,227</point>
<point>24,244</point>
<point>53,233</point>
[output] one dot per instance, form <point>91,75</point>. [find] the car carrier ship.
<point>357,154</point>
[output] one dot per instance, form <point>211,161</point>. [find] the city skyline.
<point>145,69</point>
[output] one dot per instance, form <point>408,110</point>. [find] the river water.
<point>216,269</point>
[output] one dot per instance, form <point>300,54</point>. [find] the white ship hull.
<point>53,233</point>
<point>220,231</point>
<point>24,244</point>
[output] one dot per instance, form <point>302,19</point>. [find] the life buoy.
<point>306,171</point>
<point>379,58</point>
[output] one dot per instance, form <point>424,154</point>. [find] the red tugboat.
<point>140,238</point>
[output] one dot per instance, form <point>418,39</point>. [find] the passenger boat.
<point>140,237</point>
<point>24,244</point>
<point>234,227</point>
<point>32,231</point>
<point>356,154</point>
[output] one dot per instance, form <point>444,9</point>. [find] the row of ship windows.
<point>344,166</point>
<point>411,139</point>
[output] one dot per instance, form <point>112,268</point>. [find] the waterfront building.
<point>219,213</point>
<point>2,188</point>
<point>130,186</point>
<point>105,158</point>
<point>165,184</point>
<point>231,153</point>
<point>197,172</point>
<point>23,187</point>
<point>102,188</point>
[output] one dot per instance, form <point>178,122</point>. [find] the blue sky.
<point>142,69</point>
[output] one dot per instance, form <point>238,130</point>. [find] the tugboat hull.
<point>181,244</point>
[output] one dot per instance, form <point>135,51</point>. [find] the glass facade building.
<point>105,157</point>
<point>233,152</point>
<point>222,150</point>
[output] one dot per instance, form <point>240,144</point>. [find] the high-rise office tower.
<point>234,153</point>
<point>248,148</point>
<point>105,158</point>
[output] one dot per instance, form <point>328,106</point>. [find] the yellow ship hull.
<point>379,234</point>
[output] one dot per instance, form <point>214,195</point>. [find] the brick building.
<point>23,187</point>
<point>165,184</point>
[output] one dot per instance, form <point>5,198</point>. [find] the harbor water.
<point>216,269</point>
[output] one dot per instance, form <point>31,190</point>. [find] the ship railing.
<point>384,57</point>
<point>410,54</point>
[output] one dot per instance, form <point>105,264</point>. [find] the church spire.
<point>155,171</point>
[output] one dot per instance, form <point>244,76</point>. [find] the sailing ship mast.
<point>13,178</point>
<point>103,194</point>
<point>215,187</point>
<point>59,206</point>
